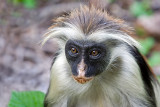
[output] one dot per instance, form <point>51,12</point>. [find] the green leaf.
<point>29,3</point>
<point>158,77</point>
<point>154,59</point>
<point>27,99</point>
<point>146,44</point>
<point>141,8</point>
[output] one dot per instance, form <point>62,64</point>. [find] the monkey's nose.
<point>81,68</point>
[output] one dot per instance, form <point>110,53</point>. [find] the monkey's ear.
<point>98,4</point>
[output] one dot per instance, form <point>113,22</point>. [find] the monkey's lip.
<point>82,80</point>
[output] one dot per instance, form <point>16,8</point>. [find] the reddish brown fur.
<point>90,18</point>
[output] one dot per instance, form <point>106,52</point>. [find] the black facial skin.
<point>95,64</point>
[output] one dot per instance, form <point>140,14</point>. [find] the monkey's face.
<point>87,59</point>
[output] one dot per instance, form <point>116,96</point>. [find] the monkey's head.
<point>86,58</point>
<point>87,37</point>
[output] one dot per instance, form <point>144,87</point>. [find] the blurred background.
<point>25,65</point>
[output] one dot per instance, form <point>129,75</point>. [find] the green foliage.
<point>154,59</point>
<point>141,8</point>
<point>29,3</point>
<point>146,44</point>
<point>27,99</point>
<point>111,1</point>
<point>158,77</point>
<point>25,3</point>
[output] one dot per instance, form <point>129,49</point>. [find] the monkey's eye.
<point>74,50</point>
<point>95,54</point>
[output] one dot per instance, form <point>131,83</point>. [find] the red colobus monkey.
<point>98,63</point>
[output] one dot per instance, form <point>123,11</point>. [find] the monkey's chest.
<point>89,102</point>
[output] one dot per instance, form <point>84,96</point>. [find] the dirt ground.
<point>24,64</point>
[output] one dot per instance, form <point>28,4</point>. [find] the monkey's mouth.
<point>82,80</point>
